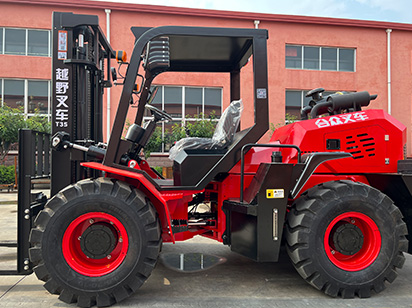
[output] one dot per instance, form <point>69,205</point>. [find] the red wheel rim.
<point>79,260</point>
<point>366,254</point>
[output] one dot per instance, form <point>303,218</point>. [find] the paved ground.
<point>234,282</point>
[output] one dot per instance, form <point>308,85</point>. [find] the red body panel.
<point>375,139</point>
<point>372,136</point>
<point>173,205</point>
<point>167,203</point>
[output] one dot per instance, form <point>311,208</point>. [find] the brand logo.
<point>341,119</point>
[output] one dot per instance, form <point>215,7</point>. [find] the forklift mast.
<point>80,70</point>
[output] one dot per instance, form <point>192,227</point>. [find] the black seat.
<point>222,137</point>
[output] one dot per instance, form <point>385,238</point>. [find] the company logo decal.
<point>341,119</point>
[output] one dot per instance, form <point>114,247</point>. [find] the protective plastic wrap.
<point>228,124</point>
<point>222,137</point>
<point>190,143</point>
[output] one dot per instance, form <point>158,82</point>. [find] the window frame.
<point>302,59</point>
<point>183,119</point>
<point>26,96</point>
<point>26,43</point>
<point>336,62</point>
<point>354,59</point>
<point>24,53</point>
<point>3,39</point>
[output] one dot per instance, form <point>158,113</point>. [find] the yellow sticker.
<point>275,193</point>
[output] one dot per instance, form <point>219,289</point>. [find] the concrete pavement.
<point>234,282</point>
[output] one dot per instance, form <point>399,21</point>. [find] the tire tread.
<point>298,234</point>
<point>146,213</point>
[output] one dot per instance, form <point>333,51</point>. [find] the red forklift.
<point>334,188</point>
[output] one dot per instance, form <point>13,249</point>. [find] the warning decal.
<point>275,193</point>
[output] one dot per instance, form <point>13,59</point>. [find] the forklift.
<point>334,188</point>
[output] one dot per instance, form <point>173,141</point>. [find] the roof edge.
<point>300,19</point>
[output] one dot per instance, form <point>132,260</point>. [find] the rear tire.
<point>346,238</point>
<point>96,242</point>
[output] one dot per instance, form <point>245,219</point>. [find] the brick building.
<point>303,53</point>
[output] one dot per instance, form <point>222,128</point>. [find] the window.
<point>329,56</point>
<point>38,43</point>
<point>294,103</point>
<point>346,60</point>
<point>320,58</point>
<point>293,56</point>
<point>30,95</point>
<point>193,101</point>
<point>213,102</point>
<point>38,98</point>
<point>172,102</point>
<point>27,42</point>
<point>311,58</point>
<point>14,93</point>
<point>184,103</point>
<point>1,41</point>
<point>295,100</point>
<point>15,41</point>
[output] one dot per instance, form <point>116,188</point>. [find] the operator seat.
<point>222,137</point>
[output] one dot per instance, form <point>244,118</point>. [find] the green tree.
<point>13,119</point>
<point>7,174</point>
<point>155,142</point>
<point>289,118</point>
<point>39,123</point>
<point>200,127</point>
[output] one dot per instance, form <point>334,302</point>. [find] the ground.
<point>234,282</point>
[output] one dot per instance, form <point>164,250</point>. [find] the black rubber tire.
<point>311,215</point>
<point>130,207</point>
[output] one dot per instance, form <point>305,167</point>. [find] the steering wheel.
<point>159,115</point>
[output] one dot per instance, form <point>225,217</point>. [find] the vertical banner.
<point>62,88</point>
<point>62,107</point>
<point>62,102</point>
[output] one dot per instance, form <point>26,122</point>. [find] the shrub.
<point>7,174</point>
<point>158,169</point>
<point>11,120</point>
<point>39,123</point>
<point>289,118</point>
<point>201,127</point>
<point>155,142</point>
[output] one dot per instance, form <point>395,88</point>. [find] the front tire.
<point>346,238</point>
<point>96,242</point>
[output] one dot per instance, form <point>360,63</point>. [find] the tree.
<point>200,127</point>
<point>155,142</point>
<point>38,123</point>
<point>289,118</point>
<point>13,119</point>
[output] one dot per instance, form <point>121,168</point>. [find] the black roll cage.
<point>199,49</point>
